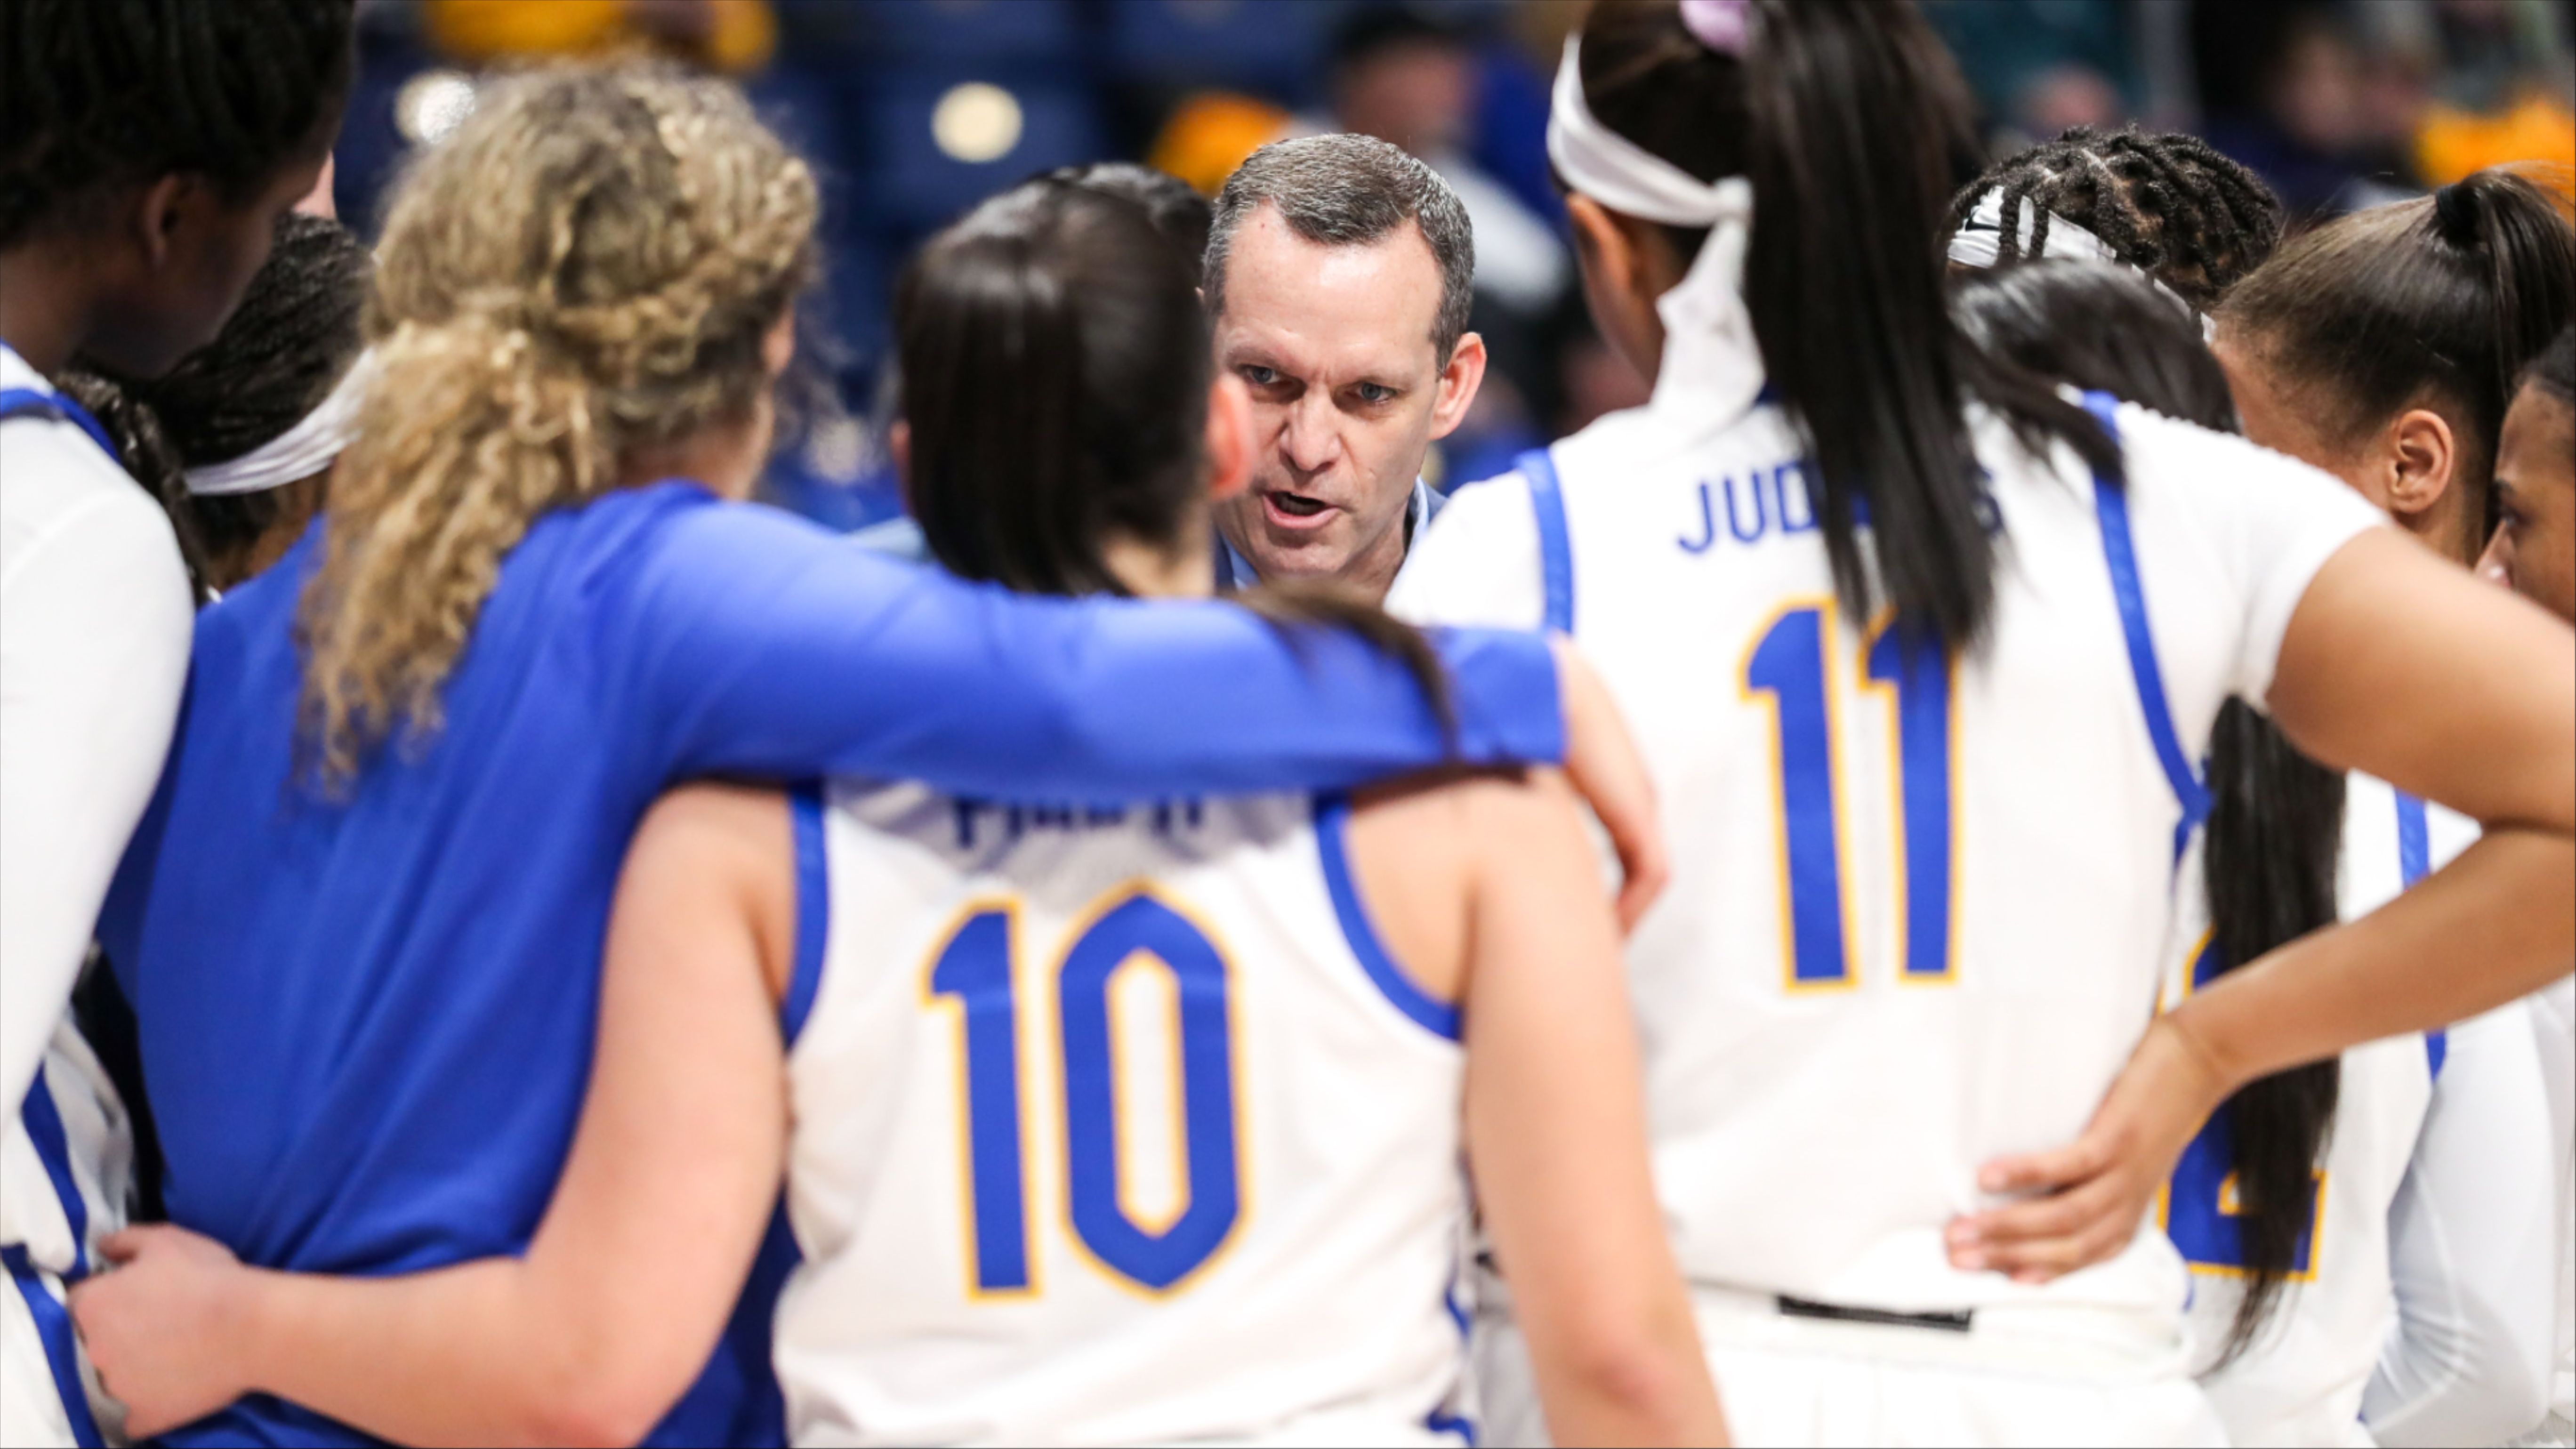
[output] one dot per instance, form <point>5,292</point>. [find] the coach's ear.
<point>1458,384</point>
<point>1229,438</point>
<point>899,448</point>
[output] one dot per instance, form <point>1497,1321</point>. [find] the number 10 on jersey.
<point>1791,668</point>
<point>976,968</point>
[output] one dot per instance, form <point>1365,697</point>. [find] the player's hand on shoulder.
<point>1604,764</point>
<point>163,1327</point>
<point>2084,1200</point>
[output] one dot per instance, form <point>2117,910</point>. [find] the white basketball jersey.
<point>1918,906</point>
<point>2301,1380</point>
<point>1113,1127</point>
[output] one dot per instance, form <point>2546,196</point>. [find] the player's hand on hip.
<point>2085,1199</point>
<point>163,1328</point>
<point>1603,762</point>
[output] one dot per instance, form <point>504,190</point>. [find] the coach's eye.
<point>1374,393</point>
<point>1257,375</point>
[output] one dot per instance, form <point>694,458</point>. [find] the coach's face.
<point>1335,344</point>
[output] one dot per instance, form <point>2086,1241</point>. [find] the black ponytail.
<point>2275,826</point>
<point>2275,833</point>
<point>1845,115</point>
<point>2442,298</point>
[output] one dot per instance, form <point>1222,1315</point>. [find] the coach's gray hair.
<point>1346,190</point>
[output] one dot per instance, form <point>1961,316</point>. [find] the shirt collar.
<point>1234,571</point>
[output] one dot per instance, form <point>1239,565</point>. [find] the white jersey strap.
<point>26,402</point>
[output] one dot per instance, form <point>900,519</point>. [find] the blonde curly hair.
<point>589,265</point>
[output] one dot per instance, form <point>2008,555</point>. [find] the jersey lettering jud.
<point>1919,900</point>
<point>1106,1129</point>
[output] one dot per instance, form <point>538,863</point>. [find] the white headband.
<point>1711,362</point>
<point>1619,173</point>
<point>1979,241</point>
<point>299,452</point>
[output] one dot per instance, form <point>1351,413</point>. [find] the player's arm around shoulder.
<point>598,1329</point>
<point>1487,889</point>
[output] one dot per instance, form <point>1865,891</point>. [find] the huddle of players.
<point>1261,1241</point>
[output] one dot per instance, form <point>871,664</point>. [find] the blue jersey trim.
<point>1332,816</point>
<point>25,402</point>
<point>2414,840</point>
<point>1441,1422</point>
<point>53,1148</point>
<point>2414,862</point>
<point>813,909</point>
<point>1555,555</point>
<point>2119,550</point>
<point>54,1330</point>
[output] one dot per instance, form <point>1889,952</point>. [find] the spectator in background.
<point>731,36</point>
<point>1339,276</point>
<point>2293,90</point>
<point>2498,82</point>
<point>2042,66</point>
<point>1410,81</point>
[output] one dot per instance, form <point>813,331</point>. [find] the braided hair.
<point>100,94</point>
<point>2168,204</point>
<point>287,345</point>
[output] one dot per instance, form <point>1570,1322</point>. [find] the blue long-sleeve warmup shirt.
<point>367,1025</point>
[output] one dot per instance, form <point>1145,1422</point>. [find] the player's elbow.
<point>583,1399</point>
<point>594,1415</point>
<point>1641,1379</point>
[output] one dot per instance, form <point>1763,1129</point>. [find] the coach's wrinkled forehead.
<point>1345,190</point>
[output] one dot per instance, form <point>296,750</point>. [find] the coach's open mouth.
<point>1296,510</point>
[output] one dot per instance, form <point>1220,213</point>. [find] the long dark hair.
<point>1845,115</point>
<point>2275,826</point>
<point>2448,295</point>
<point>1056,368</point>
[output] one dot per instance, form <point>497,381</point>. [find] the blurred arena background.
<point>915,109</point>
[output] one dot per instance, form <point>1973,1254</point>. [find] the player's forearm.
<point>463,1355</point>
<point>2497,923</point>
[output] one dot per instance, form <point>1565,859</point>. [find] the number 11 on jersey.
<point>1791,668</point>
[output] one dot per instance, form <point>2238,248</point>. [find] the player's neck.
<point>45,306</point>
<point>1155,571</point>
